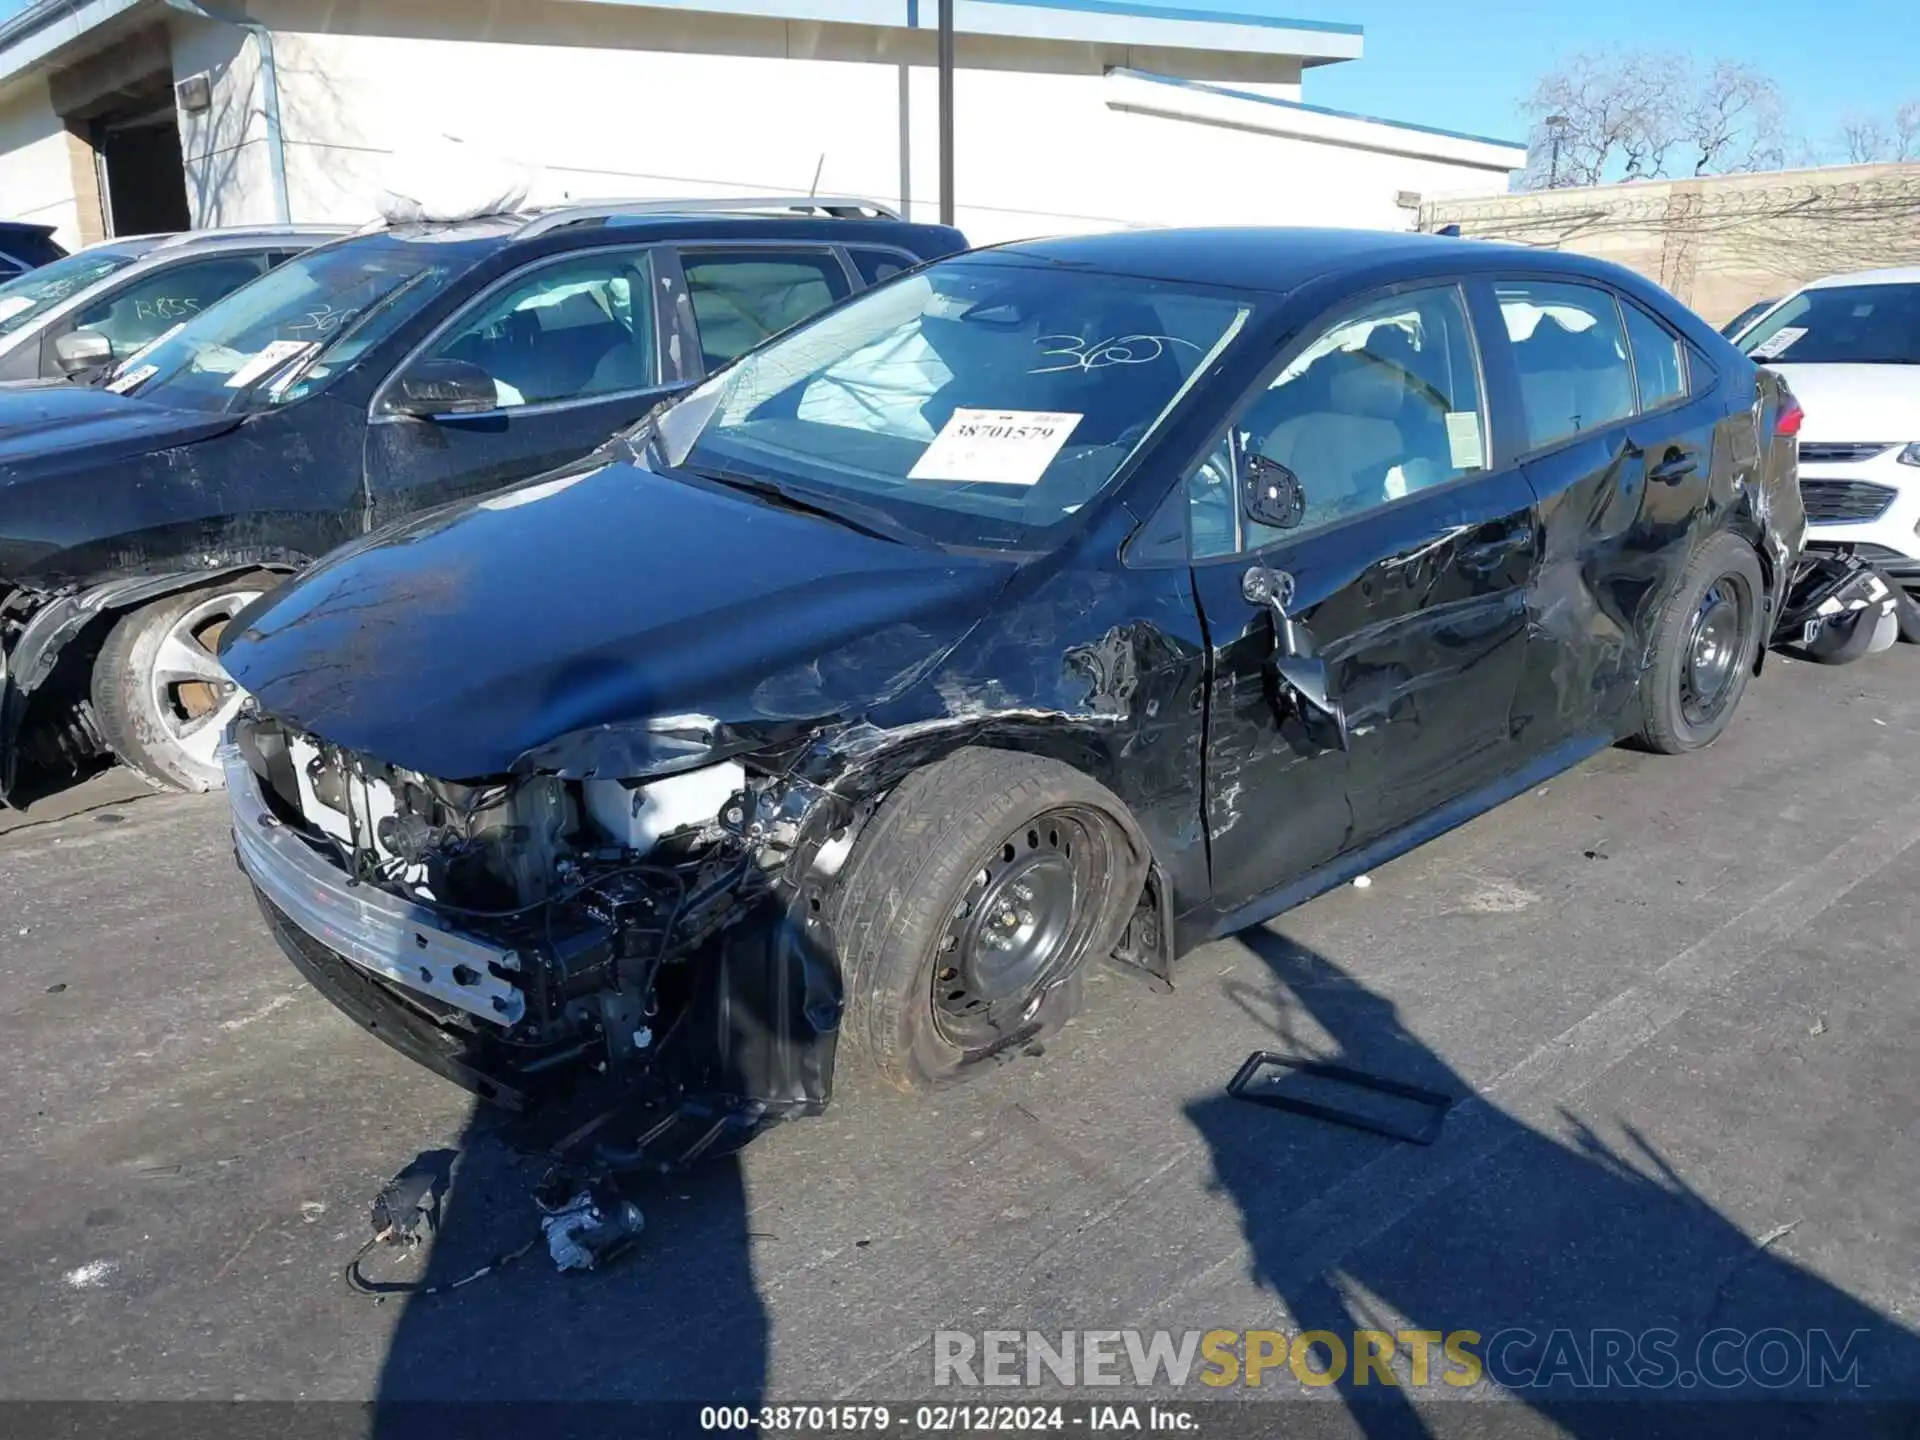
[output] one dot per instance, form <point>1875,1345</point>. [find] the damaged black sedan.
<point>1069,602</point>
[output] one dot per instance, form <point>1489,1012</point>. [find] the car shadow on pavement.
<point>1604,1291</point>
<point>675,1318</point>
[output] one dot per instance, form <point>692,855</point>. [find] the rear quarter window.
<point>877,265</point>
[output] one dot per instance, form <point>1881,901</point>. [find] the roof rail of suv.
<point>844,207</point>
<point>246,232</point>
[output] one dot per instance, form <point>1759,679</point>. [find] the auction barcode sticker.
<point>997,447</point>
<point>1778,343</point>
<point>270,359</point>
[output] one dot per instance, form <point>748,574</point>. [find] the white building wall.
<point>691,104</point>
<point>36,165</point>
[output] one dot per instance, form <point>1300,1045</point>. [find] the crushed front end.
<point>529,934</point>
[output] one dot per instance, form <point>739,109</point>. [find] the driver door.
<point>572,351</point>
<point>1404,562</point>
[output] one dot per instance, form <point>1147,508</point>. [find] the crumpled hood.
<point>48,425</point>
<point>1856,402</point>
<point>552,623</point>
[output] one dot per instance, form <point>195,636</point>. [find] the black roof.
<point>1279,259</point>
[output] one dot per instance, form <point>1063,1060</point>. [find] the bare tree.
<point>1736,121</point>
<point>1642,115</point>
<point>1866,139</point>
<point>1602,116</point>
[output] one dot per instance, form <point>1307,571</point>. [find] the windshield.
<point>285,334</point>
<point>1841,325</point>
<point>26,298</point>
<point>978,402</point>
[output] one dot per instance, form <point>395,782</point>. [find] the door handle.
<point>1677,466</point>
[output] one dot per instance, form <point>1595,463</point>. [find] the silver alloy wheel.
<point>190,696</point>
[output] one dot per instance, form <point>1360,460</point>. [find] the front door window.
<point>568,331</point>
<point>1384,404</point>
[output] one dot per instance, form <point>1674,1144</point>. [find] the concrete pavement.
<point>1681,995</point>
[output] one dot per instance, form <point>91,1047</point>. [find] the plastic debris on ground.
<point>445,179</point>
<point>592,1228</point>
<point>1362,882</point>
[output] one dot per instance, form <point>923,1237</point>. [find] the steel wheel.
<point>1013,933</point>
<point>1716,649</point>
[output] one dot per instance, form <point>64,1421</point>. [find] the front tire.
<point>161,697</point>
<point>1705,643</point>
<point>969,906</point>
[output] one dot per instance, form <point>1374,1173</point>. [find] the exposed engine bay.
<point>669,928</point>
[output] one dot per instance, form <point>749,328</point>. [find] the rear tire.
<point>1705,643</point>
<point>160,697</point>
<point>969,906</point>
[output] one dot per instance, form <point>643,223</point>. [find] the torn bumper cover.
<point>700,982</point>
<point>1829,587</point>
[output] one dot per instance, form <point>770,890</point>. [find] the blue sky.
<point>1466,67</point>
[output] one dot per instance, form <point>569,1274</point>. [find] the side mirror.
<point>1299,669</point>
<point>443,387</point>
<point>80,351</point>
<point>1270,493</point>
<point>1307,677</point>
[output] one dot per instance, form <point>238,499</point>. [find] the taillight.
<point>1787,422</point>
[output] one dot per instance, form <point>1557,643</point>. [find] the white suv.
<point>1849,348</point>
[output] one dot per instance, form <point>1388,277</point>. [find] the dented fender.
<point>60,619</point>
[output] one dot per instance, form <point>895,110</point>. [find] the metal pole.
<point>1556,127</point>
<point>946,112</point>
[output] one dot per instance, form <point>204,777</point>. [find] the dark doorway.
<point>143,178</point>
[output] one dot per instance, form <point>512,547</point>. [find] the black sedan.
<point>1070,601</point>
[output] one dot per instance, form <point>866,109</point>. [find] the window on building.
<point>743,297</point>
<point>1572,357</point>
<point>1384,404</point>
<point>567,331</point>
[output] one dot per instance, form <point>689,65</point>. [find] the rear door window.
<point>742,297</point>
<point>877,265</point>
<point>1659,359</point>
<point>1570,347</point>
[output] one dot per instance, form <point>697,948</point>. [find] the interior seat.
<point>1341,453</point>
